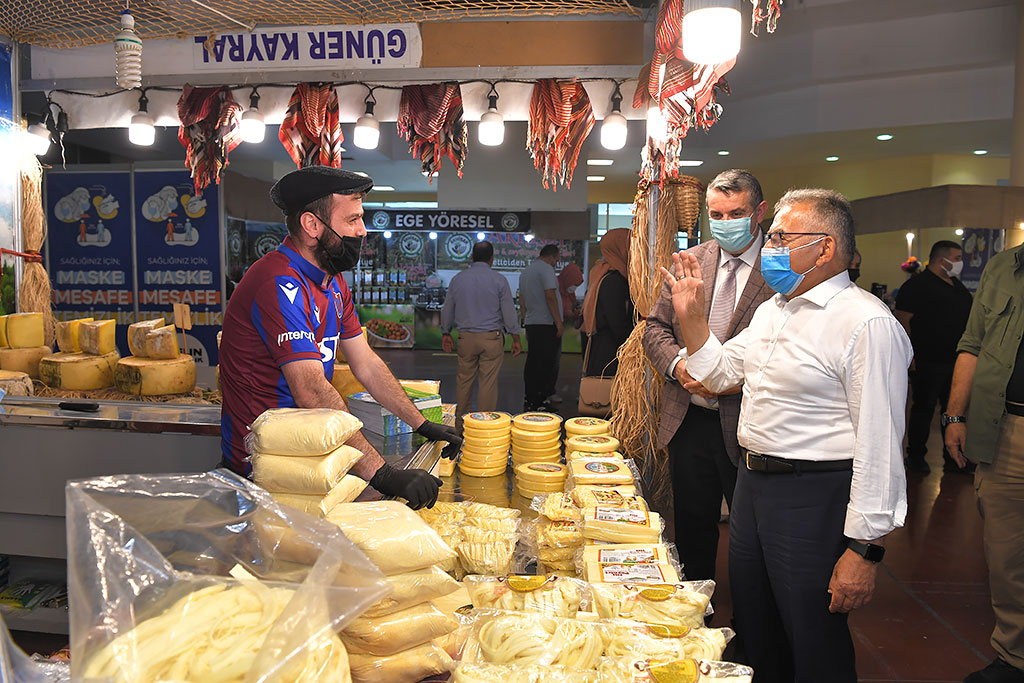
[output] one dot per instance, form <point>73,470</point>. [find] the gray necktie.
<point>725,301</point>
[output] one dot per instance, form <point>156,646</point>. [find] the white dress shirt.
<point>824,378</point>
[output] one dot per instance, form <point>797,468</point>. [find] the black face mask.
<point>337,254</point>
<point>854,273</point>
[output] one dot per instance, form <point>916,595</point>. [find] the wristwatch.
<point>869,551</point>
<point>950,419</point>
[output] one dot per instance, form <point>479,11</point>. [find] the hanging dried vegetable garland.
<point>311,130</point>
<point>209,131</point>
<point>561,118</point>
<point>430,117</point>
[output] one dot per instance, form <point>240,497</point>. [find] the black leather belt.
<point>769,464</point>
<point>1015,408</point>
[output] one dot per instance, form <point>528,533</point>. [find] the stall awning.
<point>945,206</point>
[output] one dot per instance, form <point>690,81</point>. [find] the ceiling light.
<point>492,125</point>
<point>433,235</point>
<point>711,30</point>
<point>528,237</point>
<point>723,152</point>
<point>128,54</point>
<point>910,237</point>
<point>383,188</point>
<point>367,132</point>
<point>141,130</point>
<point>981,152</point>
<point>387,234</point>
<point>600,162</point>
<point>690,162</point>
<point>480,237</point>
<point>832,158</point>
<point>613,128</point>
<point>37,139</point>
<point>595,178</point>
<point>959,232</point>
<point>657,127</point>
<point>253,129</point>
<point>884,137</point>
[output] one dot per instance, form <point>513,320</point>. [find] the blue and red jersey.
<point>284,309</point>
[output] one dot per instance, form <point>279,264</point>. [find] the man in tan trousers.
<point>479,305</point>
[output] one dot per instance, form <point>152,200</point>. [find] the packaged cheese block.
<point>582,495</point>
<point>536,439</point>
<point>162,343</point>
<point>24,330</point>
<point>649,573</point>
<point>646,670</point>
<point>627,553</point>
<point>24,360</point>
<point>621,525</point>
<point>67,335</point>
<point>410,666</point>
<point>445,467</point>
<point>556,534</point>
<point>486,422</point>
<point>476,442</point>
<point>586,425</point>
<point>538,422</point>
<point>393,633</point>
<point>601,443</point>
<point>301,431</point>
<point>3,332</point>
<point>147,377</point>
<point>600,471</point>
<point>15,383</point>
<point>427,386</point>
<point>685,603</point>
<point>394,537</point>
<point>137,335</point>
<point>78,371</point>
<point>469,470</point>
<point>311,475</point>
<point>558,506</point>
<point>541,473</point>
<point>413,588</point>
<point>97,336</point>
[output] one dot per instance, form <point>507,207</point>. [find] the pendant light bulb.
<point>367,132</point>
<point>128,54</point>
<point>711,31</point>
<point>657,127</point>
<point>613,128</point>
<point>37,139</point>
<point>252,127</point>
<point>141,130</point>
<point>492,124</point>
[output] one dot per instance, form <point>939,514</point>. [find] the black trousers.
<point>701,474</point>
<point>929,385</point>
<point>538,374</point>
<point>786,534</point>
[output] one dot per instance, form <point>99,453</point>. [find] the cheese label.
<point>635,573</point>
<point>544,467</point>
<point>667,630</point>
<point>633,556</point>
<point>602,467</point>
<point>486,417</point>
<point>562,525</point>
<point>678,671</point>
<point>609,498</point>
<point>605,514</point>
<point>526,583</point>
<point>539,418</point>
<point>588,421</point>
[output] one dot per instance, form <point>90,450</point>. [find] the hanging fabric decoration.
<point>209,131</point>
<point>769,15</point>
<point>311,130</point>
<point>430,117</point>
<point>561,118</point>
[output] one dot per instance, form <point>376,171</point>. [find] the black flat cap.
<point>295,191</point>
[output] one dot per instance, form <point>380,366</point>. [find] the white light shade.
<point>613,131</point>
<point>141,131</point>
<point>387,234</point>
<point>711,31</point>
<point>480,237</point>
<point>910,237</point>
<point>433,235</point>
<point>528,237</point>
<point>253,129</point>
<point>367,133</point>
<point>492,128</point>
<point>657,127</point>
<point>37,139</point>
<point>959,232</point>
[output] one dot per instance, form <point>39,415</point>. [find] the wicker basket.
<point>686,194</point>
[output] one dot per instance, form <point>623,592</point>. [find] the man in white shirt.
<point>541,308</point>
<point>824,371</point>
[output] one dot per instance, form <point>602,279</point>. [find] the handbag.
<point>595,392</point>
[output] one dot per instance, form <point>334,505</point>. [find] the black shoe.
<point>996,672</point>
<point>918,465</point>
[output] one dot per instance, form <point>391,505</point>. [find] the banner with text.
<point>980,245</point>
<point>432,219</point>
<point>178,250</point>
<point>89,247</point>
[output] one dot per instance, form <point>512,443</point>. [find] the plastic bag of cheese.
<point>397,632</point>
<point>505,525</point>
<point>601,471</point>
<point>621,525</point>
<point>523,638</point>
<point>631,670</point>
<point>628,553</point>
<point>556,595</point>
<point>604,496</point>
<point>409,666</point>
<point>558,507</point>
<point>543,532</point>
<point>658,641</point>
<point>684,603</point>
<point>394,537</point>
<point>300,431</point>
<point>485,510</point>
<point>413,588</point>
<point>508,673</point>
<point>347,490</point>
<point>495,558</point>
<point>309,475</point>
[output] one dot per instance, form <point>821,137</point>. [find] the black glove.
<point>416,486</point>
<point>435,431</point>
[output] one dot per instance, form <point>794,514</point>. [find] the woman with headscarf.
<point>569,279</point>
<point>608,316</point>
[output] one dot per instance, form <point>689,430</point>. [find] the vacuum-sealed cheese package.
<point>635,639</point>
<point>493,558</point>
<point>621,525</point>
<point>685,603</point>
<point>558,507</point>
<point>442,512</point>
<point>310,475</point>
<point>473,534</point>
<point>413,588</point>
<point>610,572</point>
<point>524,638</point>
<point>394,537</point>
<point>510,673</point>
<point>601,471</point>
<point>506,525</point>
<point>485,510</point>
<point>555,595</point>
<point>396,632</point>
<point>603,496</point>
<point>629,553</point>
<point>554,534</point>
<point>300,431</point>
<point>631,670</point>
<point>409,666</point>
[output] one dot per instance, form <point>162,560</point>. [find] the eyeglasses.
<point>779,238</point>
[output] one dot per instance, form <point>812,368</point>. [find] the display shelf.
<point>39,620</point>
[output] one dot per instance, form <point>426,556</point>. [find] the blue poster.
<point>177,236</point>
<point>8,174</point>
<point>89,247</point>
<point>980,244</point>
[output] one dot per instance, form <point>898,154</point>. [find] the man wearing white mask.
<point>823,366</point>
<point>697,426</point>
<point>933,306</point>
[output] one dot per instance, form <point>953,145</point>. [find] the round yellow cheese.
<point>526,461</point>
<point>530,451</point>
<point>600,471</point>
<point>476,442</point>
<point>146,377</point>
<point>486,422</point>
<point>538,422</point>
<point>586,425</point>
<point>78,371</point>
<point>24,360</point>
<point>601,443</point>
<point>541,473</point>
<point>15,383</point>
<point>534,439</point>
<point>529,493</point>
<point>473,472</point>
<point>483,461</point>
<point>572,455</point>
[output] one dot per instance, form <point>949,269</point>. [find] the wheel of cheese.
<point>482,458</point>
<point>486,422</point>
<point>541,473</point>
<point>24,330</point>
<point>572,455</point>
<point>529,493</point>
<point>586,425</point>
<point>24,360</point>
<point>535,439</point>
<point>67,335</point>
<point>601,443</point>
<point>477,442</point>
<point>78,371</point>
<point>538,422</point>
<point>15,383</point>
<point>483,473</point>
<point>3,332</point>
<point>147,377</point>
<point>516,461</point>
<point>527,451</point>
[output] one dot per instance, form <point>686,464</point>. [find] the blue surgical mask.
<point>778,273</point>
<point>733,235</point>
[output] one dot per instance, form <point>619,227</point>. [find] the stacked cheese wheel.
<point>156,366</point>
<point>87,358</point>
<point>22,343</point>
<point>583,426</point>
<point>590,445</point>
<point>486,441</point>
<point>536,437</point>
<point>538,478</point>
